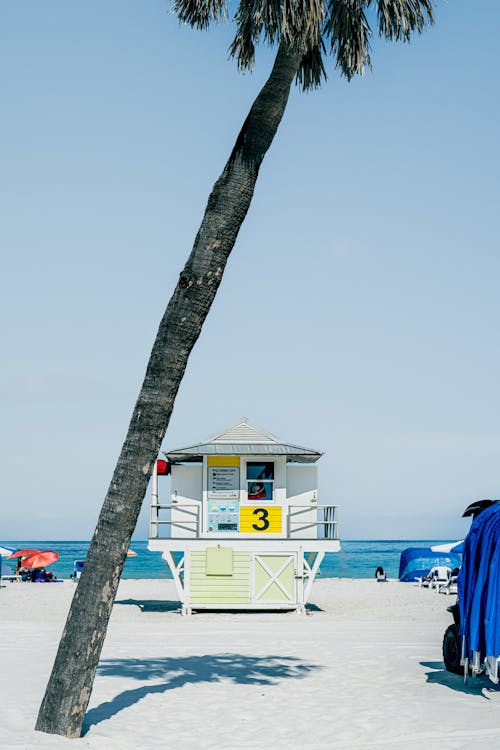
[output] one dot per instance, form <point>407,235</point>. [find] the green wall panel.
<point>219,589</point>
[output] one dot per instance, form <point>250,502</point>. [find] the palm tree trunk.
<point>68,691</point>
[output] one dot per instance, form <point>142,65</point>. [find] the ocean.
<point>357,559</point>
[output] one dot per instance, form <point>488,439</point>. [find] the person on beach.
<point>380,574</point>
<point>38,575</point>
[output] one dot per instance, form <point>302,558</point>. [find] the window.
<point>260,481</point>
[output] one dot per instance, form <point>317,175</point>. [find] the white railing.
<point>300,521</point>
<point>304,517</point>
<point>190,521</point>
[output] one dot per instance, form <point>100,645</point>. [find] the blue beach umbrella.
<point>477,615</point>
<point>5,552</point>
<point>467,575</point>
<point>492,607</point>
<point>457,547</point>
<point>478,579</point>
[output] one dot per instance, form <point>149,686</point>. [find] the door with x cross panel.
<point>274,578</point>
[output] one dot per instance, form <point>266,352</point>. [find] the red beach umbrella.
<point>41,559</point>
<point>22,553</point>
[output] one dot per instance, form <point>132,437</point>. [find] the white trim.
<point>252,577</point>
<point>247,544</point>
<point>187,575</point>
<point>177,571</point>
<point>312,571</point>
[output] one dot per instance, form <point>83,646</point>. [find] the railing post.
<point>154,529</point>
<point>154,485</point>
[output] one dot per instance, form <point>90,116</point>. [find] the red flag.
<point>162,467</point>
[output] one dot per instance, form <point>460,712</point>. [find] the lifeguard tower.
<point>243,528</point>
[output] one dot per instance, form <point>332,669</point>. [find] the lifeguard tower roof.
<point>244,438</point>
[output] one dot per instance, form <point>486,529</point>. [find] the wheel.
<point>452,650</point>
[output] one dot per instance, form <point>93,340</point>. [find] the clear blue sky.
<point>359,310</point>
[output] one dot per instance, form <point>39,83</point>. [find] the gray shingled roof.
<point>244,439</point>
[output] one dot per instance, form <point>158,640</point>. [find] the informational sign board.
<point>223,482</point>
<point>223,515</point>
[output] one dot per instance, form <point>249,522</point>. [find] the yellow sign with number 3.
<point>260,520</point>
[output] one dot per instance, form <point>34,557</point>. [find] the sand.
<point>362,670</point>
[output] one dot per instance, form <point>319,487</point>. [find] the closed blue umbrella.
<point>486,539</point>
<point>478,592</point>
<point>466,579</point>
<point>467,575</point>
<point>492,608</point>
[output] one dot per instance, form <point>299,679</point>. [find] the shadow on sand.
<point>478,686</point>
<point>162,605</point>
<point>153,605</point>
<point>176,672</point>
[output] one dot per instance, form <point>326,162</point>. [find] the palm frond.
<point>398,19</point>
<point>299,23</point>
<point>303,22</point>
<point>349,33</point>
<point>306,25</point>
<point>250,22</point>
<point>199,13</point>
<point>311,72</point>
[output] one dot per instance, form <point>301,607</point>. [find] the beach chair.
<point>442,577</point>
<point>77,570</point>
<point>450,587</point>
<point>437,576</point>
<point>8,575</point>
<point>425,581</point>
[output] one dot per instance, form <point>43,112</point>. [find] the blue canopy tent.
<point>479,594</point>
<point>4,552</point>
<point>416,562</point>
